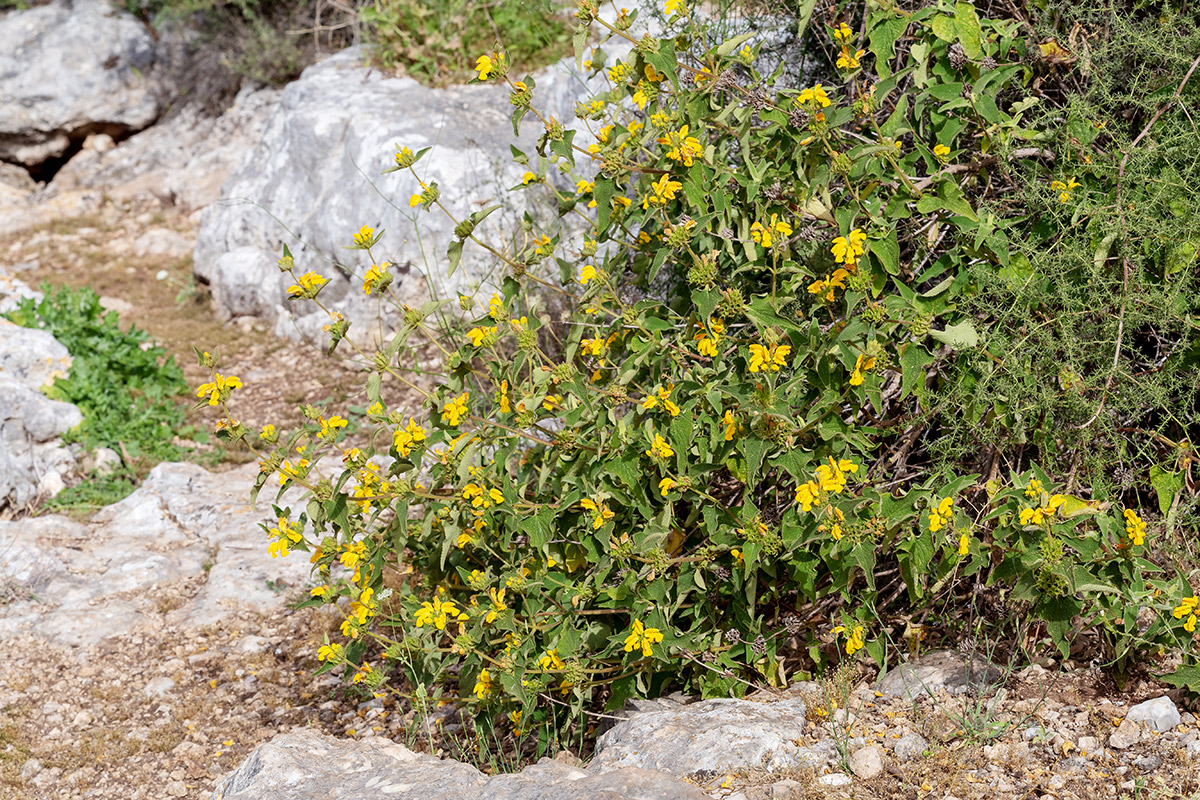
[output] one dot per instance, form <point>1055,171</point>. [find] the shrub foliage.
<point>907,346</point>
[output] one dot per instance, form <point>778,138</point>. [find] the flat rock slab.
<point>944,670</point>
<point>716,735</point>
<point>184,548</point>
<point>307,765</point>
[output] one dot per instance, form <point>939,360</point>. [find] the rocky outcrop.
<point>33,461</point>
<point>315,179</point>
<point>306,765</point>
<point>70,69</point>
<point>181,161</point>
<point>86,583</point>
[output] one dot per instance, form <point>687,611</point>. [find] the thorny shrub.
<point>686,477</point>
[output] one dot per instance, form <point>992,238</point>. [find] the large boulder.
<point>68,69</point>
<point>315,179</point>
<point>307,765</point>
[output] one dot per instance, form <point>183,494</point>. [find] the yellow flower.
<point>437,613</point>
<point>600,512</point>
<point>307,285</point>
<point>477,335</point>
<point>768,359</point>
<point>484,685</point>
<point>1135,527</point>
<point>364,236</point>
<point>941,151</point>
<point>731,425</point>
<point>455,410</point>
<point>854,642</point>
<point>660,448</point>
<point>528,178</point>
<point>842,33</point>
<point>662,190</point>
<point>814,97</point>
<point>330,427</point>
<point>848,59</point>
<point>675,7</point>
<point>485,65</point>
<point>964,544</point>
<point>375,273</point>
<point>498,605</point>
<point>1037,516</point>
<point>1186,606</point>
<point>219,389</point>
<point>830,282</point>
<point>1034,489</point>
<point>666,485</point>
<point>661,397</point>
<point>405,157</point>
<point>551,661</point>
<point>940,516</point>
<point>863,364</point>
<point>764,234</point>
<point>642,637</point>
<point>505,405</point>
<point>404,439</point>
<point>683,148</point>
<point>587,273</point>
<point>1064,189</point>
<point>807,495</point>
<point>330,652</point>
<point>848,249</point>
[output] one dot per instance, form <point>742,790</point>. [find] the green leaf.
<point>944,28</point>
<point>962,336</point>
<point>579,41</point>
<point>727,47</point>
<point>454,253</point>
<point>913,362</point>
<point>882,42</point>
<point>754,449</point>
<point>888,252</point>
<point>602,193</point>
<point>966,23</point>
<point>1166,485</point>
<point>1187,676</point>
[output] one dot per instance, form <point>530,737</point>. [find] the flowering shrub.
<point>686,479</point>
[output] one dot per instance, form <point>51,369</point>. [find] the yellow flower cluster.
<point>551,661</point>
<point>814,97</point>
<point>765,234</point>
<point>1064,189</point>
<point>849,249</point>
<point>642,637</point>
<point>1135,527</point>
<point>661,397</point>
<point>488,63</point>
<point>659,448</point>
<point>768,358</point>
<point>939,516</point>
<point>307,286</point>
<point>437,613</point>
<point>365,237</point>
<point>863,364</point>
<point>477,335</point>
<point>1036,516</point>
<point>601,513</point>
<point>854,638</point>
<point>482,498</point>
<point>219,389</point>
<point>706,341</point>
<point>484,685</point>
<point>406,438</point>
<point>682,148</point>
<point>826,285</point>
<point>330,427</point>
<point>662,190</point>
<point>1187,608</point>
<point>498,605</point>
<point>831,479</point>
<point>286,534</point>
<point>454,411</point>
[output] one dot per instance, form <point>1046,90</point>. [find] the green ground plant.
<point>131,393</point>
<point>735,413</point>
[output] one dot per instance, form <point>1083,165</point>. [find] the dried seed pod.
<point>958,58</point>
